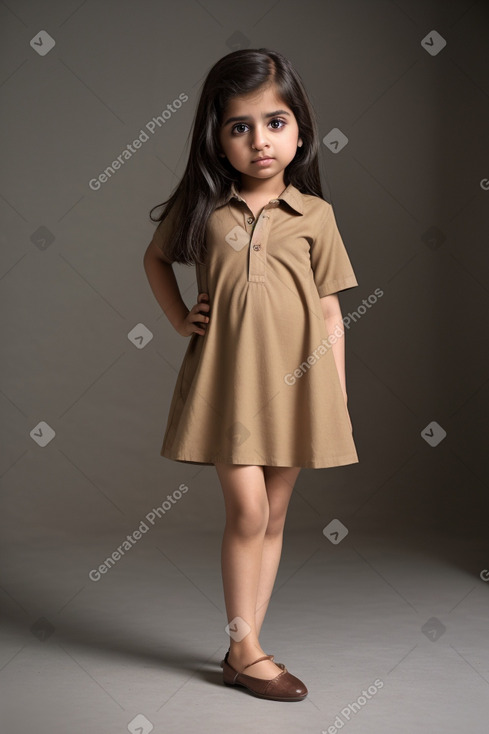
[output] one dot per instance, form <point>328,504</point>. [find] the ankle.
<point>238,651</point>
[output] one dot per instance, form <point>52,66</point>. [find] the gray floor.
<point>146,638</point>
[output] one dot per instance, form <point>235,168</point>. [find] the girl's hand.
<point>196,320</point>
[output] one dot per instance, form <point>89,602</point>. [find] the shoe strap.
<point>265,657</point>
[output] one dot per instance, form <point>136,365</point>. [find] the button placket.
<point>258,249</point>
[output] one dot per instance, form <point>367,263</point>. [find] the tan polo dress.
<point>261,386</point>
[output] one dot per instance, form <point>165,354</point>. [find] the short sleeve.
<point>163,234</point>
<point>331,266</point>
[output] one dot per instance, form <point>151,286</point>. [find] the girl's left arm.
<point>333,320</point>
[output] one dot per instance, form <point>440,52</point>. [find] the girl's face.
<point>259,125</point>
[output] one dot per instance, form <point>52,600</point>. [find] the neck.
<point>270,187</point>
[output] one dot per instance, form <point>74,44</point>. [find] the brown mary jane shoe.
<point>284,687</point>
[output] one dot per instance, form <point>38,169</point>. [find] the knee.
<point>250,521</point>
<point>275,525</point>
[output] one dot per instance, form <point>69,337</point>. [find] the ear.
<point>299,143</point>
<point>222,155</point>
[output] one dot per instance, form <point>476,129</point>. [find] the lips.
<point>260,160</point>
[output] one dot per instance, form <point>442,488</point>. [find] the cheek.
<point>292,144</point>
<point>236,148</point>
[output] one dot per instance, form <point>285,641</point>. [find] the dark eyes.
<point>235,131</point>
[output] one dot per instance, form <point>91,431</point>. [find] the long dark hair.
<point>209,177</point>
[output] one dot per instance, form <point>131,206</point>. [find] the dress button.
<point>257,247</point>
<point>250,220</point>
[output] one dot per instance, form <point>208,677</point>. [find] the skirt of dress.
<point>261,387</point>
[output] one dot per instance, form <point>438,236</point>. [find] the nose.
<point>258,138</point>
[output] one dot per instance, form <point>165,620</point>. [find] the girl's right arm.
<point>164,285</point>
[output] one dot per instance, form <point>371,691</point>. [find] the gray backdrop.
<point>90,361</point>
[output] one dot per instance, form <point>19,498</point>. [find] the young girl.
<point>261,391</point>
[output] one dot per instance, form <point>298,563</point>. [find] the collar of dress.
<point>291,196</point>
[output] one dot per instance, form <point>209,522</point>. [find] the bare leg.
<point>279,482</point>
<point>256,500</point>
<point>247,513</point>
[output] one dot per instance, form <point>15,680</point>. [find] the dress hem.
<point>342,460</point>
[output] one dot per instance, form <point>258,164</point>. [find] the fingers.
<point>199,313</point>
<point>202,302</point>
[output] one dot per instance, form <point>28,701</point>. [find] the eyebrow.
<point>247,117</point>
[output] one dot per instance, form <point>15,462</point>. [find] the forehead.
<point>254,103</point>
